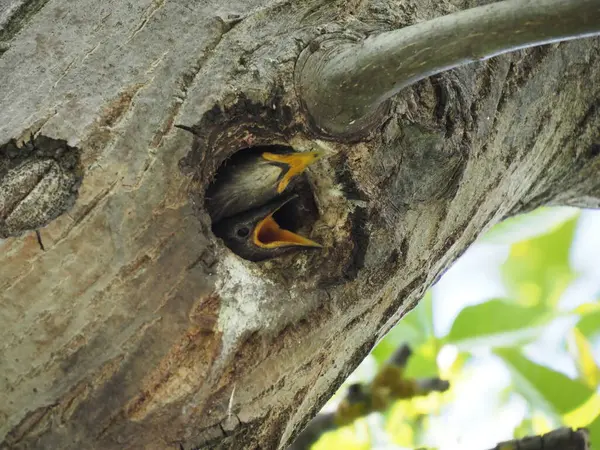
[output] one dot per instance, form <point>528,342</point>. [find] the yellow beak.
<point>297,163</point>
<point>268,234</point>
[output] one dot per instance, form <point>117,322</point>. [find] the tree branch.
<point>390,385</point>
<point>343,83</point>
<point>361,399</point>
<point>559,439</point>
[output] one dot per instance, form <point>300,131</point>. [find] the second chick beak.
<point>255,235</point>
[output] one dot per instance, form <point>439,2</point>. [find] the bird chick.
<point>253,179</point>
<point>255,235</point>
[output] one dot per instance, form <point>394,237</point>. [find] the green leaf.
<point>423,361</point>
<point>415,328</point>
<point>594,429</point>
<point>398,425</point>
<point>544,388</point>
<point>537,270</point>
<point>345,437</point>
<point>589,324</point>
<point>496,323</point>
<point>588,370</point>
<point>525,428</point>
<point>583,415</point>
<point>527,226</point>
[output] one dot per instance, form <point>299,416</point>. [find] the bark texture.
<point>560,439</point>
<point>137,328</point>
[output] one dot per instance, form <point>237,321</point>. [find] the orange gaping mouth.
<point>297,162</point>
<point>268,234</point>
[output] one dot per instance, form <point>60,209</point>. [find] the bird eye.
<point>243,232</point>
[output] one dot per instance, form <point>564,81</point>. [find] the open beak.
<point>297,162</point>
<point>268,234</point>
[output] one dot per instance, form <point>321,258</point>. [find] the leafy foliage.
<point>521,363</point>
<point>496,323</point>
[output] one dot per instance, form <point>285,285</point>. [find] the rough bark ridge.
<point>136,328</point>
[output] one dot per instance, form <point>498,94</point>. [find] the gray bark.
<point>560,439</point>
<point>137,328</point>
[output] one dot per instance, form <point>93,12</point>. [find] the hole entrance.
<point>247,184</point>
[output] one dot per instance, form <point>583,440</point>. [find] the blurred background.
<point>514,325</point>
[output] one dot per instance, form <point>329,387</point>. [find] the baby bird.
<point>255,178</point>
<point>255,235</point>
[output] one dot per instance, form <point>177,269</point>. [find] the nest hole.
<point>245,185</point>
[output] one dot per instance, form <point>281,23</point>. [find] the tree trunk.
<point>136,327</point>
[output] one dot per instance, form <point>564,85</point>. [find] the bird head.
<point>255,235</point>
<point>251,179</point>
